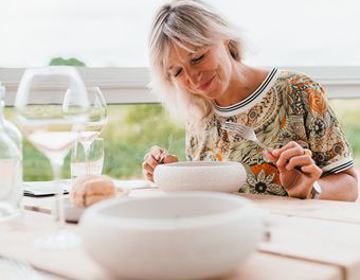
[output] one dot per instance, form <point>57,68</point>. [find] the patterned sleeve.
<point>323,133</point>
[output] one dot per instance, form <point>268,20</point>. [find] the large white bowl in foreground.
<point>228,176</point>
<point>189,235</point>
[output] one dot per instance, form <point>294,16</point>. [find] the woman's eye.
<point>197,59</point>
<point>177,73</point>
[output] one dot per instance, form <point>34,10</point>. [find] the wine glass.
<point>96,122</point>
<point>52,126</point>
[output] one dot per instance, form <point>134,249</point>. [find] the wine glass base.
<point>61,240</point>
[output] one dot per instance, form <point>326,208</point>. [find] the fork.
<point>245,132</point>
<point>165,152</point>
<point>248,133</point>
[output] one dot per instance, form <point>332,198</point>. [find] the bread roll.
<point>89,189</point>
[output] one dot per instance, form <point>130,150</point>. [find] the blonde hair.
<point>185,23</point>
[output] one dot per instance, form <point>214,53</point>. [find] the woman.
<point>197,69</point>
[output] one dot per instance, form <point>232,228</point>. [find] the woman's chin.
<point>213,93</point>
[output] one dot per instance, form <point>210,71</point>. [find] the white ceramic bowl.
<point>200,176</point>
<point>183,235</point>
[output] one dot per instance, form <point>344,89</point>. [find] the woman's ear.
<point>227,46</point>
<point>233,48</point>
<point>226,43</point>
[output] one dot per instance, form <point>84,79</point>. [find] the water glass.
<point>91,164</point>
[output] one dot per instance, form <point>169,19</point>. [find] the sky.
<point>113,33</point>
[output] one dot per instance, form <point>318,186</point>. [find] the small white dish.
<point>183,235</point>
<point>228,176</point>
<point>45,188</point>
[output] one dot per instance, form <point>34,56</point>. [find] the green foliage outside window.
<point>68,62</point>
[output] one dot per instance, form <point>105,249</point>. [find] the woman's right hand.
<point>155,156</point>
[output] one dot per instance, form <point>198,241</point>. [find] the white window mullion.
<point>130,85</point>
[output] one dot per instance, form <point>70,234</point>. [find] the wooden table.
<point>309,240</point>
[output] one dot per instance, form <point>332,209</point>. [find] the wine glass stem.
<point>58,213</point>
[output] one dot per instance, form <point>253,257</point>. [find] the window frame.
<point>125,85</point>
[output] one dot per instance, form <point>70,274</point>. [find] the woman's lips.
<point>206,85</point>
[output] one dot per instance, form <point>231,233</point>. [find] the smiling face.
<point>206,72</point>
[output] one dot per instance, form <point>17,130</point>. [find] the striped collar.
<point>251,99</point>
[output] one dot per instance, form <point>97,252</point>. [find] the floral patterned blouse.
<point>287,106</point>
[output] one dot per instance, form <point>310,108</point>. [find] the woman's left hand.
<point>298,171</point>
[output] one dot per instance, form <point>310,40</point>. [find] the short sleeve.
<point>324,135</point>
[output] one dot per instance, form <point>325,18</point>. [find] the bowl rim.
<point>245,207</point>
<point>195,164</point>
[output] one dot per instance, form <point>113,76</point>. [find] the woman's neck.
<point>243,82</point>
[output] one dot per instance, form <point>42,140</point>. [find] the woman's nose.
<point>193,76</point>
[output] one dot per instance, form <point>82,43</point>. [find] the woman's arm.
<point>340,186</point>
<point>298,172</point>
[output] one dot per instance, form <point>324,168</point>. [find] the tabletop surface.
<point>309,239</point>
